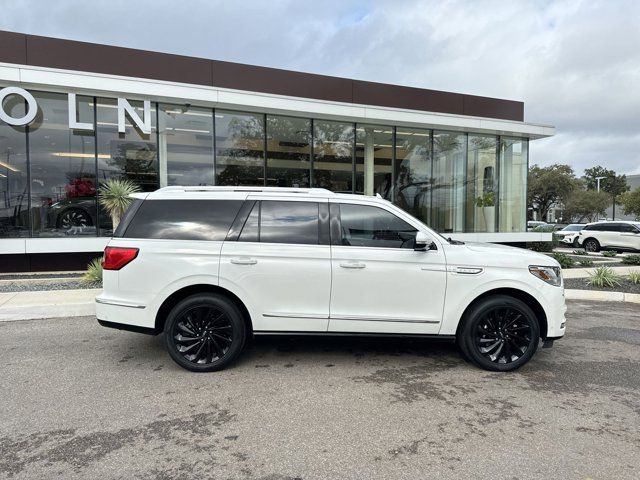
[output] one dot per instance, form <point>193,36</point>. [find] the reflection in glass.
<point>186,145</point>
<point>131,155</point>
<point>14,200</point>
<point>333,156</point>
<point>239,148</point>
<point>413,172</point>
<point>288,151</point>
<point>482,184</point>
<point>374,158</point>
<point>289,222</point>
<point>63,169</point>
<point>513,182</point>
<point>447,213</point>
<point>366,226</point>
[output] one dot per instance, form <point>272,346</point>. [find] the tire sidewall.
<point>213,300</point>
<point>471,320</point>
<point>595,242</point>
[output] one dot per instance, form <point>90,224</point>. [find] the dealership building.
<point>76,114</point>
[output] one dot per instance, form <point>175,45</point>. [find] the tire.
<point>73,217</point>
<point>575,243</point>
<point>205,332</point>
<point>591,245</point>
<point>499,333</point>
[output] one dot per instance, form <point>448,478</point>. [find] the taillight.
<point>117,257</point>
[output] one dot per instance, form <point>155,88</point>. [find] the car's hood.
<point>491,254</point>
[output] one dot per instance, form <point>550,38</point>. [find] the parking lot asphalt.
<point>81,401</point>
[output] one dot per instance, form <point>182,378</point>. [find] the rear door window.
<point>183,219</point>
<point>282,222</point>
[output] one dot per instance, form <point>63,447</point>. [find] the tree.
<point>549,186</point>
<point>614,185</point>
<point>586,205</point>
<point>630,201</point>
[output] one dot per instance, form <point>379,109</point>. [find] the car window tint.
<point>289,222</point>
<point>628,228</point>
<point>183,219</point>
<point>612,227</point>
<point>367,226</point>
<point>250,230</point>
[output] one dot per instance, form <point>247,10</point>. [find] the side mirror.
<point>423,242</point>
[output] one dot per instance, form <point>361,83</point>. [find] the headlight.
<point>551,275</point>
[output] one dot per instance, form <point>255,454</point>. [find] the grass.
<point>580,252</point>
<point>93,273</point>
<point>585,262</point>
<point>609,253</point>
<point>634,277</point>
<point>604,277</point>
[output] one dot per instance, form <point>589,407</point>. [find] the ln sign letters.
<point>124,109</point>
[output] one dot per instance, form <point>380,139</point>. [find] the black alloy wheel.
<point>74,217</point>
<point>591,245</point>
<point>205,332</point>
<point>500,333</point>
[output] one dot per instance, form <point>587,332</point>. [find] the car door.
<point>379,283</point>
<point>612,235</point>
<point>629,236</point>
<point>278,262</point>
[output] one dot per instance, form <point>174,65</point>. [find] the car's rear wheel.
<point>499,333</point>
<point>205,332</point>
<point>591,245</point>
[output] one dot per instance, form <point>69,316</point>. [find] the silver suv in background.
<point>610,236</point>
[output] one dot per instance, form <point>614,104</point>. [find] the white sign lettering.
<point>32,106</point>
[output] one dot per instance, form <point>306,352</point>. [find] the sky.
<point>575,64</point>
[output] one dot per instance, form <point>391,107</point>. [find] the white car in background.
<point>569,234</point>
<point>610,236</point>
<point>212,266</point>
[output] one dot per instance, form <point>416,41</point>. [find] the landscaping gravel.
<point>581,284</point>
<point>37,276</point>
<point>42,286</point>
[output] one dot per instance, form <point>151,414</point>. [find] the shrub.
<point>634,277</point>
<point>545,247</point>
<point>580,252</point>
<point>93,273</point>
<point>631,260</point>
<point>604,277</point>
<point>585,262</point>
<point>564,260</point>
<point>609,253</point>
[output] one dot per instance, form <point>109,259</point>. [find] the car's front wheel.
<point>499,333</point>
<point>205,332</point>
<point>591,245</point>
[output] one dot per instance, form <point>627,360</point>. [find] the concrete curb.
<point>601,296</point>
<point>49,304</point>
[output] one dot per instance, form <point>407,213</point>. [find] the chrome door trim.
<point>381,319</point>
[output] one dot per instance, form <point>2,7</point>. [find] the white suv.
<point>211,266</point>
<point>610,236</point>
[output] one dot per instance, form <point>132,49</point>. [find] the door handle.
<point>352,265</point>
<point>244,261</point>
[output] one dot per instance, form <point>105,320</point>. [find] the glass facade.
<point>49,173</point>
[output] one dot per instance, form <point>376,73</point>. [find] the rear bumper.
<point>128,316</point>
<point>128,328</point>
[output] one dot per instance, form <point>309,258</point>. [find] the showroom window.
<point>374,160</point>
<point>448,196</point>
<point>514,164</point>
<point>481,184</point>
<point>132,155</point>
<point>63,168</point>
<point>14,191</point>
<point>366,226</point>
<point>239,148</point>
<point>185,143</point>
<point>413,179</point>
<point>333,144</point>
<point>288,151</point>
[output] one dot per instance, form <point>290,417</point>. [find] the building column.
<point>369,163</point>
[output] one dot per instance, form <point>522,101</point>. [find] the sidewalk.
<point>47,304</point>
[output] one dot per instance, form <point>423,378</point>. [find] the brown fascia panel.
<point>13,48</point>
<point>89,57</point>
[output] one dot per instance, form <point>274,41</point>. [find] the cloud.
<point>575,64</point>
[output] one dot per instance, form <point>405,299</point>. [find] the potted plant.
<point>114,196</point>
<point>487,201</point>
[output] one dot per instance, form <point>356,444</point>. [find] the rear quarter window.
<point>183,219</point>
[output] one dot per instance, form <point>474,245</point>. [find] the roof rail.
<point>307,191</point>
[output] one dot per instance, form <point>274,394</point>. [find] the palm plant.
<point>93,274</point>
<point>115,196</point>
